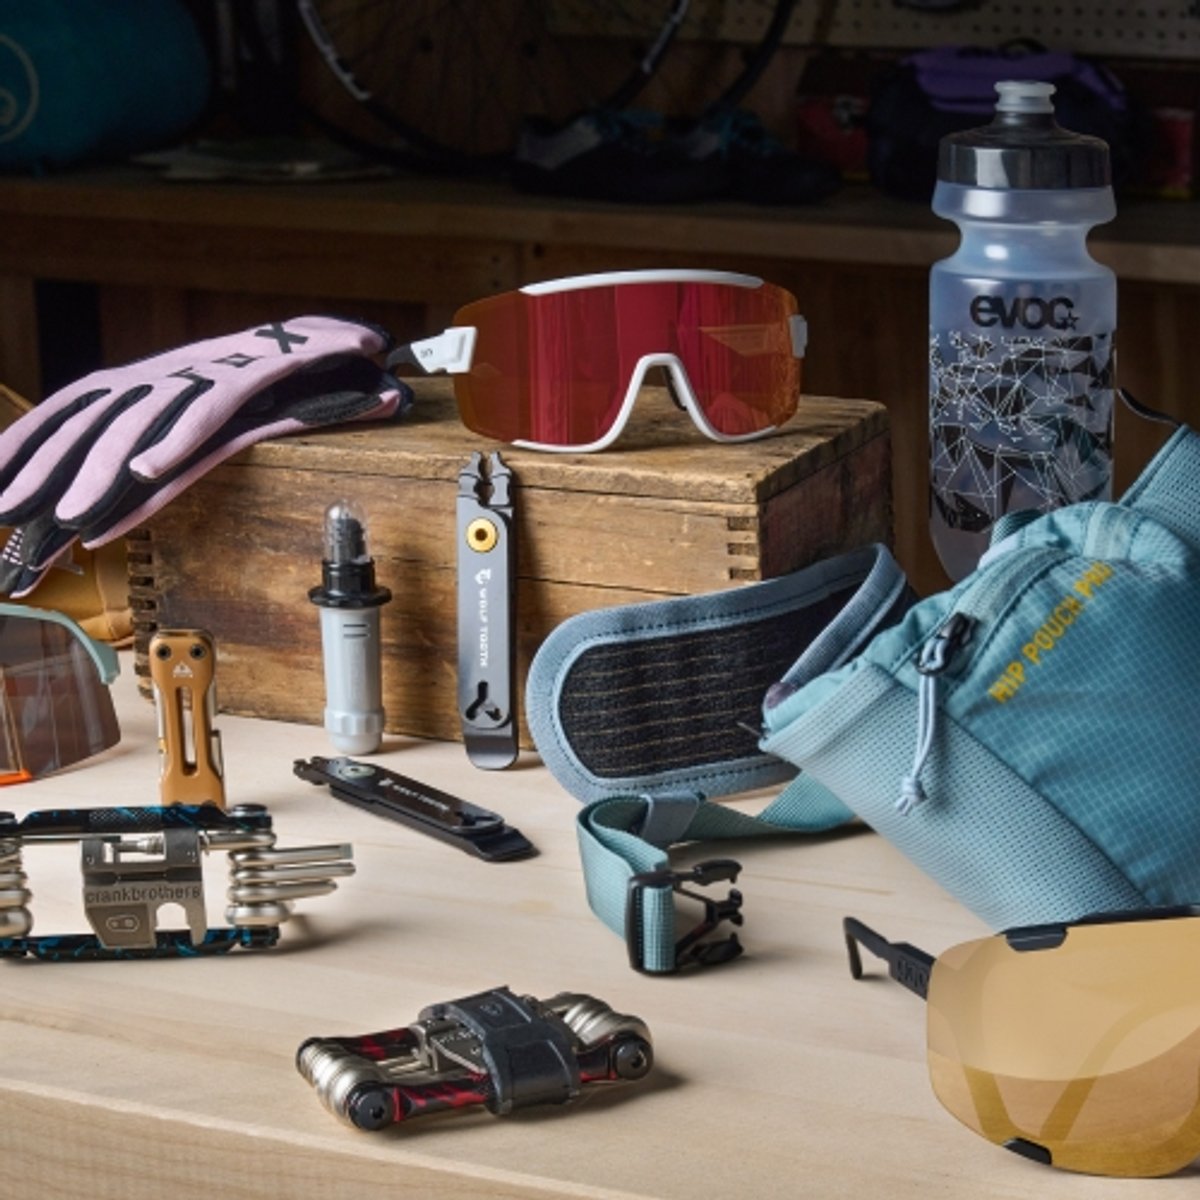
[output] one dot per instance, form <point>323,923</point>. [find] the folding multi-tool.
<point>494,1049</point>
<point>183,665</point>
<point>135,860</point>
<point>410,802</point>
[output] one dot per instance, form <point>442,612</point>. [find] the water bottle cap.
<point>1024,96</point>
<point>1024,147</point>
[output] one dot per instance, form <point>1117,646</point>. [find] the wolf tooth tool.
<point>409,802</point>
<point>487,595</point>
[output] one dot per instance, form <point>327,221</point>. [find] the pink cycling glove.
<point>103,454</point>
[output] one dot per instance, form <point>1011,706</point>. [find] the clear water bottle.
<point>1022,321</point>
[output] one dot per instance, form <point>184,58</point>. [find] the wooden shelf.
<point>179,261</point>
<point>1155,241</point>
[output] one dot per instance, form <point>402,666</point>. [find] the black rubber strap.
<point>530,1058</point>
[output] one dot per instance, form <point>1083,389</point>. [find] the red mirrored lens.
<point>737,351</point>
<point>555,368</point>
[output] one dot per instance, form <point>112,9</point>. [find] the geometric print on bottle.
<point>1017,422</point>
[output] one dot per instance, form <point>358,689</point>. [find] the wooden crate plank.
<point>658,544</point>
<point>661,453</point>
<point>270,652</point>
<point>238,552</point>
<point>844,505</point>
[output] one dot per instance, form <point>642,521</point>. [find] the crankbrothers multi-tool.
<point>494,1049</point>
<point>134,860</point>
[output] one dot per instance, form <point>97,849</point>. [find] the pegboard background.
<point>1169,29</point>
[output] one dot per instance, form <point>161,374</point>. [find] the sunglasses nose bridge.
<point>647,362</point>
<point>680,385</point>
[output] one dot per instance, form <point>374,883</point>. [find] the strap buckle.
<point>691,949</point>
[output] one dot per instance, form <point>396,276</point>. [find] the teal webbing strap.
<point>623,844</point>
<point>831,609</point>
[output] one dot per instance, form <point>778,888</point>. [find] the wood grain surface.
<point>777,1076</point>
<point>1155,241</point>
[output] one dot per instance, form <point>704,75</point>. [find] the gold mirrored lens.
<point>1090,1049</point>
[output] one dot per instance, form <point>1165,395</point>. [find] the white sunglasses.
<point>557,365</point>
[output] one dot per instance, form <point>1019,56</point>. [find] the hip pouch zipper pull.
<point>935,657</point>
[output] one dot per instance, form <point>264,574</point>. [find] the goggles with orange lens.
<point>1076,1045</point>
<point>55,706</point>
<point>558,365</point>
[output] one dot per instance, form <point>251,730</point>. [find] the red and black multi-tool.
<point>494,1049</point>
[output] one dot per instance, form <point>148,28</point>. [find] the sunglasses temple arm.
<point>450,351</point>
<point>402,356</point>
<point>907,965</point>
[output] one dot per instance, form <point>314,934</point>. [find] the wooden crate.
<point>665,512</point>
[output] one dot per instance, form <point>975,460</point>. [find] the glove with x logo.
<point>105,453</point>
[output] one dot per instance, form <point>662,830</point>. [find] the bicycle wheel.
<point>453,80</point>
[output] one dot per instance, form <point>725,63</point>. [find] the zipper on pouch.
<point>979,603</point>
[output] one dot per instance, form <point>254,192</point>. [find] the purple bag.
<point>948,88</point>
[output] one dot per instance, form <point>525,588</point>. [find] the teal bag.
<point>1029,738</point>
<point>100,79</point>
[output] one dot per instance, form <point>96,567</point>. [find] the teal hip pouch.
<point>1031,738</point>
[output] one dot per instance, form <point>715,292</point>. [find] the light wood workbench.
<point>777,1076</point>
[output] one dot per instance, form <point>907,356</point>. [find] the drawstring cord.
<point>934,658</point>
<point>911,791</point>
